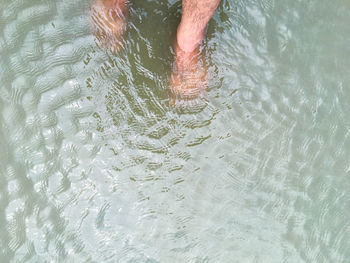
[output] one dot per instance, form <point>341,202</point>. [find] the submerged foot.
<point>109,22</point>
<point>189,77</point>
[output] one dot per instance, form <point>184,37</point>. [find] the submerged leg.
<point>109,22</point>
<point>189,76</point>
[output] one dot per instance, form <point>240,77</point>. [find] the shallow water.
<point>95,166</point>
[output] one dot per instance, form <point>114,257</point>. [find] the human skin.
<point>189,75</point>
<point>109,22</point>
<point>195,17</point>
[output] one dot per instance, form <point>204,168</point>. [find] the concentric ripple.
<point>95,166</point>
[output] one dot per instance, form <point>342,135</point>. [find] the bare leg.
<point>109,21</point>
<point>189,76</point>
<point>195,17</point>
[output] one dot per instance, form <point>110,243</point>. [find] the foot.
<point>109,21</point>
<point>189,76</point>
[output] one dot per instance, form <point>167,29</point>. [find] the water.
<point>95,166</point>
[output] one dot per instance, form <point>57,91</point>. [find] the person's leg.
<point>195,17</point>
<point>189,76</point>
<point>109,21</point>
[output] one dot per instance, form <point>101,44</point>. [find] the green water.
<point>95,166</point>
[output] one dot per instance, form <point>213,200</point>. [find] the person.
<point>189,75</point>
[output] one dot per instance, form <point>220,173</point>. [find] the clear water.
<point>96,167</point>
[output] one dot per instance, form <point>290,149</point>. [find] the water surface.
<point>95,166</point>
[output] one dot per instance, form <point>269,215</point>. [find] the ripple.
<point>96,166</point>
